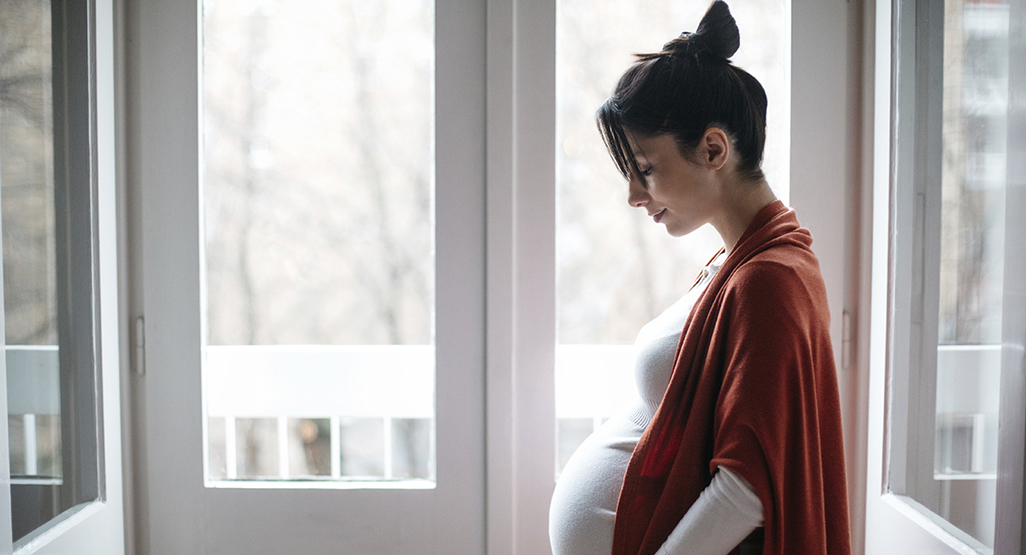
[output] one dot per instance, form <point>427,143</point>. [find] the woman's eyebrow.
<point>637,152</point>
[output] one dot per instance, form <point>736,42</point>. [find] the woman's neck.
<point>745,200</point>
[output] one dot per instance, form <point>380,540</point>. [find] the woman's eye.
<point>646,171</point>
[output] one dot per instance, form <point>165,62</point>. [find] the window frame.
<point>915,246</point>
<point>84,154</point>
<point>172,506</point>
<point>904,252</point>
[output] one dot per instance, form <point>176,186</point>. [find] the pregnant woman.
<point>735,444</point>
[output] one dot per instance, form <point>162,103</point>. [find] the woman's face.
<point>680,194</point>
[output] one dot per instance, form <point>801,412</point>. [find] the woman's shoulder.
<point>782,264</point>
<point>782,278</point>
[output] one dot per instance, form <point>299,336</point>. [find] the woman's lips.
<point>658,215</point>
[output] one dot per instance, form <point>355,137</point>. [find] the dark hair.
<point>684,90</point>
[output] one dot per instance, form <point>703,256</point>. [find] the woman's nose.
<point>637,196</point>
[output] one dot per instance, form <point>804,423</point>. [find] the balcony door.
<point>308,291</point>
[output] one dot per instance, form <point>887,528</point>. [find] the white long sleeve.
<point>726,512</point>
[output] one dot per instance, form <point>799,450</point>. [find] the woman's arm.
<point>724,514</point>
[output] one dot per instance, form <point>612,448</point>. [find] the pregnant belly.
<point>584,501</point>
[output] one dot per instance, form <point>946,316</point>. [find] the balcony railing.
<point>34,403</point>
<point>297,399</point>
<point>968,392</point>
<point>378,389</point>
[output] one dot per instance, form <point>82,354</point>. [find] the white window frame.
<point>163,132</point>
<point>93,526</point>
<point>898,328</point>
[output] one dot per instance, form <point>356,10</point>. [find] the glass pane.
<point>571,433</point>
<point>29,287</point>
<point>616,270</point>
<point>974,133</point>
<point>256,448</point>
<point>362,452</point>
<point>309,447</point>
<point>318,130</point>
<point>411,441</point>
<point>217,456</point>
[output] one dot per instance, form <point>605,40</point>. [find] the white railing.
<point>385,382</point>
<point>303,381</point>
<point>33,390</point>
<point>332,382</point>
<point>968,394</point>
<point>284,453</point>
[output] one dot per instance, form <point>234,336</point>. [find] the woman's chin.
<point>679,231</point>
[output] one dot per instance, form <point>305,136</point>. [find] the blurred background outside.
<point>29,262</point>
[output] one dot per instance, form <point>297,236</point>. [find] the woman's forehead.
<point>647,146</point>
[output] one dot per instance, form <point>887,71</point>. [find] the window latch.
<point>139,346</point>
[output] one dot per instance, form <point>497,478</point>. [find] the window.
<point>318,196</point>
<point>950,305</point>
<point>182,424</point>
<point>29,264</point>
<point>59,279</point>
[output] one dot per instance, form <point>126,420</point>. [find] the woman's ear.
<point>714,148</point>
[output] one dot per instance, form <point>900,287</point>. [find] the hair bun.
<point>718,31</point>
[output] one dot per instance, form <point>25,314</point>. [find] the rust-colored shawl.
<point>753,390</point>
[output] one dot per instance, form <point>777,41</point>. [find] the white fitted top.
<point>584,502</point>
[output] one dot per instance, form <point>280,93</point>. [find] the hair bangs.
<point>614,135</point>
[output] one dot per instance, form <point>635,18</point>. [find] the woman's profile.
<point>735,444</point>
